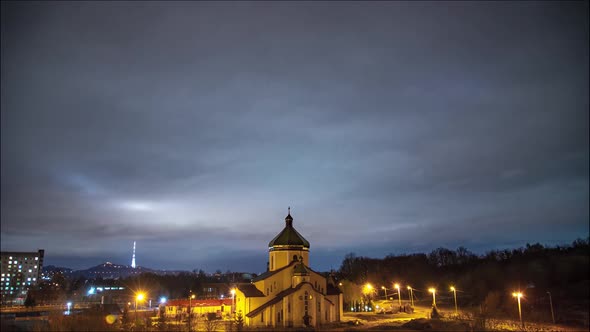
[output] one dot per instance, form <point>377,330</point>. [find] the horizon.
<point>480,253</point>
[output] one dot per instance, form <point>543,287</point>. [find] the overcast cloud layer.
<point>388,127</point>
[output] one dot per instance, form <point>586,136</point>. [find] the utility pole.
<point>551,304</point>
<point>191,296</point>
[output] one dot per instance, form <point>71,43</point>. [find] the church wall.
<point>280,258</point>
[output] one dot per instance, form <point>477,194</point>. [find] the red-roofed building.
<point>180,307</point>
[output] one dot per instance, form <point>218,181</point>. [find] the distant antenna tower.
<point>133,259</point>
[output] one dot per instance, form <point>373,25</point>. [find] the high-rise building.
<point>18,272</point>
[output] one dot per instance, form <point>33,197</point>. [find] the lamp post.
<point>233,300</point>
<point>399,294</point>
<point>385,289</point>
<point>551,304</point>
<point>518,295</point>
<point>454,290</point>
<point>368,290</point>
<point>138,298</point>
<point>433,291</point>
<point>192,296</point>
<point>410,295</point>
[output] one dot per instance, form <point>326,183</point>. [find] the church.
<point>289,293</point>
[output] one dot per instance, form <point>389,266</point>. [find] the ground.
<point>419,320</point>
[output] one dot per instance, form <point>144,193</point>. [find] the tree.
<point>211,322</point>
<point>239,321</point>
<point>162,326</point>
<point>30,300</point>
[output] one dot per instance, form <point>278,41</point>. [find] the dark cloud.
<point>389,127</point>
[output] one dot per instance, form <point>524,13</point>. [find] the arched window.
<point>294,257</point>
<point>306,302</point>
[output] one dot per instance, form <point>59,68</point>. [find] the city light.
<point>367,289</point>
<point>433,291</point>
<point>455,296</point>
<point>140,297</point>
<point>411,295</point>
<point>162,300</point>
<point>399,294</point>
<point>518,295</point>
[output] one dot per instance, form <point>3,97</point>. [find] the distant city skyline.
<point>388,127</point>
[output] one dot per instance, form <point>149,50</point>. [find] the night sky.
<point>388,127</point>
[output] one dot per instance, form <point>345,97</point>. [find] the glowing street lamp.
<point>69,305</point>
<point>192,296</point>
<point>411,295</point>
<point>385,289</point>
<point>455,294</point>
<point>399,294</point>
<point>433,291</point>
<point>518,295</point>
<point>162,300</point>
<point>138,298</point>
<point>368,291</point>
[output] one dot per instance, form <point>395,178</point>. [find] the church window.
<point>319,306</point>
<point>272,262</point>
<point>326,315</point>
<point>306,302</point>
<point>262,316</point>
<point>266,291</point>
<point>294,257</point>
<point>289,307</point>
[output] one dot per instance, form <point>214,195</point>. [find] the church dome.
<point>289,237</point>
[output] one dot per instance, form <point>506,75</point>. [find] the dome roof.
<point>289,236</point>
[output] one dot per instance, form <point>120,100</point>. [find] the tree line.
<point>486,280</point>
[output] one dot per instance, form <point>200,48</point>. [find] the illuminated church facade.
<point>290,293</point>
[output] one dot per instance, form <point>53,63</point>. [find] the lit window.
<point>9,262</point>
<point>35,266</point>
<point>28,279</point>
<point>36,258</point>
<point>34,279</point>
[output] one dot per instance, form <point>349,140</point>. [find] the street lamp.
<point>433,291</point>
<point>233,300</point>
<point>551,304</point>
<point>192,296</point>
<point>69,305</point>
<point>518,295</point>
<point>385,289</point>
<point>399,294</point>
<point>368,290</point>
<point>138,298</point>
<point>411,295</point>
<point>455,294</point>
